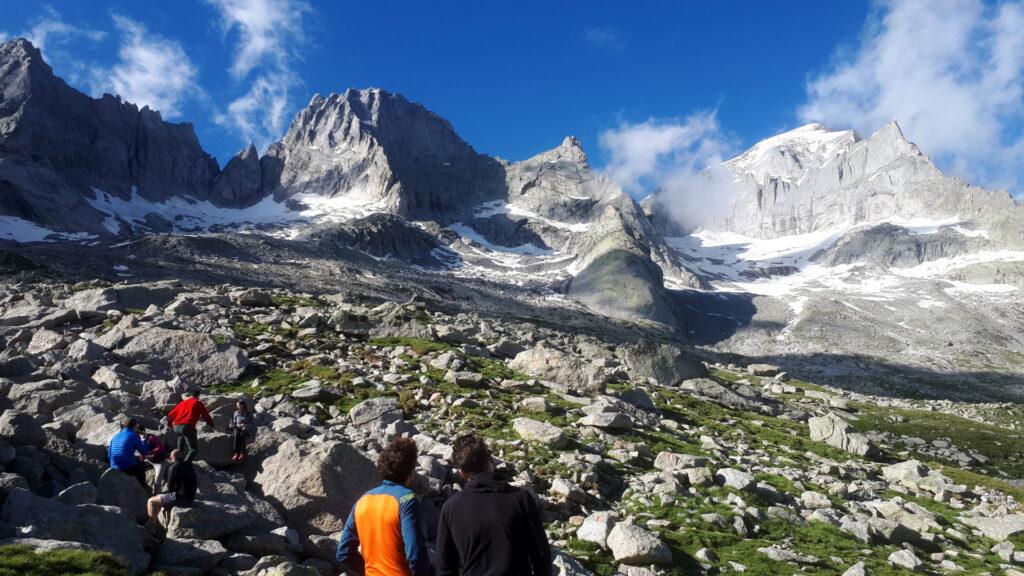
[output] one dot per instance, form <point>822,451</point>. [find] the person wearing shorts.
<point>181,487</point>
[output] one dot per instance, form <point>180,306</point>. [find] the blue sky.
<point>515,78</point>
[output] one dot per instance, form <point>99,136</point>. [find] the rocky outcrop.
<point>196,358</point>
<point>59,147</point>
<point>835,431</point>
<point>315,485</point>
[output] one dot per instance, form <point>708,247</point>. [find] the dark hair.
<point>194,392</point>
<point>129,422</point>
<point>140,429</point>
<point>470,454</point>
<point>398,460</point>
<point>242,403</point>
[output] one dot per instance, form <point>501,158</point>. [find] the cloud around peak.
<point>950,71</point>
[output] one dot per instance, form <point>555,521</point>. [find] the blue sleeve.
<point>348,546</point>
<point>415,544</point>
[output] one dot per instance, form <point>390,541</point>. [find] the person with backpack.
<point>183,419</point>
<point>244,426</point>
<point>382,536</point>
<point>489,528</point>
<point>181,487</point>
<point>126,451</point>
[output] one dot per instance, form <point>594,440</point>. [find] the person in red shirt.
<point>183,419</point>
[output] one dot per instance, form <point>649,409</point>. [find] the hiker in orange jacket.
<point>183,419</point>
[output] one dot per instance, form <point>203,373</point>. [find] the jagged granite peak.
<point>374,147</point>
<point>845,181</point>
<point>789,155</point>
<point>241,181</point>
<point>58,145</point>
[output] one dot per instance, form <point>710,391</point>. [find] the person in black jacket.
<point>489,528</point>
<point>181,486</point>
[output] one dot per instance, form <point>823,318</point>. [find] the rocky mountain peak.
<point>788,156</point>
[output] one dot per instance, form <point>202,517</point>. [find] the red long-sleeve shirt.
<point>189,411</point>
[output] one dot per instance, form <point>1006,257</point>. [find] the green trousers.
<point>187,441</point>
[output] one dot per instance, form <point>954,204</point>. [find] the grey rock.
<point>377,412</point>
<point>201,554</point>
<point>906,559</point>
<point>736,479</point>
<point>315,485</point>
<point>81,493</point>
<point>998,528</point>
<point>21,429</point>
<point>122,491</point>
<point>836,432</point>
<point>195,358</point>
<point>207,520</point>
<point>104,527</point>
<point>633,545</point>
<point>595,528</point>
<point>563,369</point>
<point>541,432</point>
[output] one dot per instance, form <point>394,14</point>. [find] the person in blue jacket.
<point>123,448</point>
<point>382,536</point>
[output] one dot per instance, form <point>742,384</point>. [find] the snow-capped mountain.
<point>854,248</point>
<point>835,248</point>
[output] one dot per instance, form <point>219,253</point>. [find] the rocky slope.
<point>643,460</point>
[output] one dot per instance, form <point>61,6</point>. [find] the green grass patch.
<point>1004,449</point>
<point>418,345</point>
<point>24,561</point>
<point>290,301</point>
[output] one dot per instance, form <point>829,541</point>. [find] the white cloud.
<point>151,71</point>
<point>950,71</point>
<point>269,34</point>
<point>678,158</point>
<point>50,28</point>
<point>603,37</point>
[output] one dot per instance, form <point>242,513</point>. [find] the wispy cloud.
<point>604,38</point>
<point>151,70</point>
<point>950,71</point>
<point>269,34</point>
<point>50,29</point>
<point>678,158</point>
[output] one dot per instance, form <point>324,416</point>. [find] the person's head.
<point>193,393</point>
<point>129,422</point>
<point>471,455</point>
<point>141,429</point>
<point>175,455</point>
<point>242,406</point>
<point>397,461</point>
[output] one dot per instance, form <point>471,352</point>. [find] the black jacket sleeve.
<point>447,553</point>
<point>539,549</point>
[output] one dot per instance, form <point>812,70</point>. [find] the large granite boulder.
<point>315,484</point>
<point>196,358</point>
<point>103,527</point>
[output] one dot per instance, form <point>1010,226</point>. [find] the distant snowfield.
<point>20,230</point>
<point>736,263</point>
<point>190,215</point>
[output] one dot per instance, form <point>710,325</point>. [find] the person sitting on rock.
<point>183,419</point>
<point>156,456</point>
<point>244,426</point>
<point>126,451</point>
<point>181,487</point>
<point>489,527</point>
<point>385,522</point>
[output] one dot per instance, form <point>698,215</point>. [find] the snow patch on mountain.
<point>788,156</point>
<point>21,230</point>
